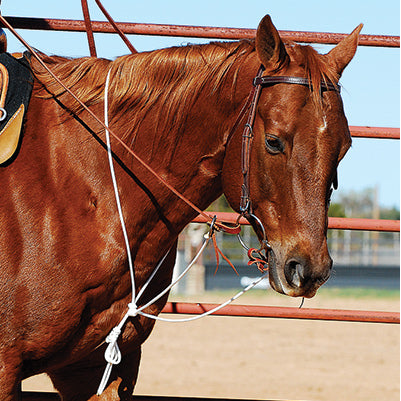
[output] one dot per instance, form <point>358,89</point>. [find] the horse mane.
<point>75,74</point>
<point>172,76</point>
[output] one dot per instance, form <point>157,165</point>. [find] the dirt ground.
<point>272,359</point>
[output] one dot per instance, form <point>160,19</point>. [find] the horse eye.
<point>273,144</point>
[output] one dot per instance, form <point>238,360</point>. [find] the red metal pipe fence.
<point>208,32</point>
<point>334,223</point>
<point>284,312</point>
<point>375,132</point>
<point>241,33</point>
<point>42,396</point>
<point>338,223</point>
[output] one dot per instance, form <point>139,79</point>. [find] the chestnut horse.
<point>64,276</point>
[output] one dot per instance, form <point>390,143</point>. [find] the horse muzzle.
<point>290,272</point>
<point>296,276</point>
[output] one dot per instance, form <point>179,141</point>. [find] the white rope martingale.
<point>113,354</point>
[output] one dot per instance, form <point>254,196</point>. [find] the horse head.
<point>300,134</point>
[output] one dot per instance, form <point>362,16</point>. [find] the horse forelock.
<point>315,67</point>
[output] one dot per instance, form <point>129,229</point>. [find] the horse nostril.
<point>294,273</point>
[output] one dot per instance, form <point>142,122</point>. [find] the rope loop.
<point>113,354</point>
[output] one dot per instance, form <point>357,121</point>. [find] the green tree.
<point>390,214</point>
<point>336,210</point>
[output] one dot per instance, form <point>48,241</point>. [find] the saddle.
<point>16,82</point>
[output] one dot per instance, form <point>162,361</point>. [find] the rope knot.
<point>113,336</point>
<point>132,309</point>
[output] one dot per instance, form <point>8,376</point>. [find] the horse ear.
<point>269,46</point>
<point>342,54</point>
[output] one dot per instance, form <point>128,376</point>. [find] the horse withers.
<point>64,275</point>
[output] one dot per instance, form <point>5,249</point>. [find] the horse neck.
<point>192,159</point>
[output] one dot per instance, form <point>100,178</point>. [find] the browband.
<point>265,81</point>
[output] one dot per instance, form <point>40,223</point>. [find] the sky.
<point>370,84</point>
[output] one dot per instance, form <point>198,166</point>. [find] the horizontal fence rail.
<point>207,32</point>
<point>375,132</point>
<point>338,223</point>
<point>284,312</point>
<point>43,396</point>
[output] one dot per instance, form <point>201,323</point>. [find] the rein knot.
<point>255,257</point>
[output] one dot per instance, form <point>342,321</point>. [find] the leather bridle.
<point>260,82</point>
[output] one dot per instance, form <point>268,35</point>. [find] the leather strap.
<point>247,139</point>
<point>266,81</point>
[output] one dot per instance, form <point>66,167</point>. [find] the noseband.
<point>260,82</point>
